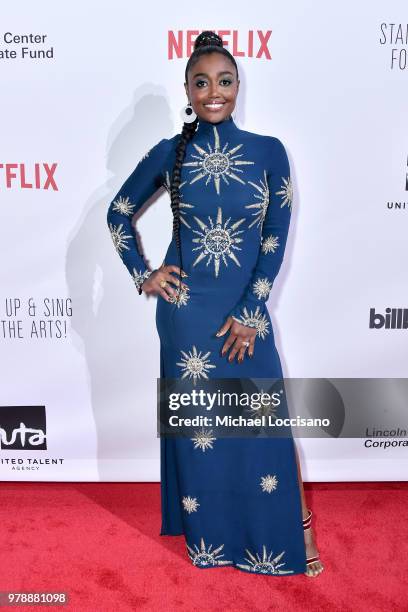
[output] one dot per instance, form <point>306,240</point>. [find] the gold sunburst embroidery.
<point>263,201</point>
<point>119,237</point>
<point>194,364</point>
<point>286,192</point>
<point>217,163</point>
<point>217,241</point>
<point>264,564</point>
<point>204,556</point>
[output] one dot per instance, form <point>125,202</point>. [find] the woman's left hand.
<point>239,336</point>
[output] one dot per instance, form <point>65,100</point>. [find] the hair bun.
<point>208,39</point>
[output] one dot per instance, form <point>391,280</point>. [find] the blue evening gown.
<point>236,500</point>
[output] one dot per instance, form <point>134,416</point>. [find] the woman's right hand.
<point>152,286</point>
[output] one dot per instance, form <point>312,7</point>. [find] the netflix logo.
<point>253,43</point>
<point>24,176</point>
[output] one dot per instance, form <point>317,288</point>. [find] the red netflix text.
<point>253,43</point>
<point>23,176</point>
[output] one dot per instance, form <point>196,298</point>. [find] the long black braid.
<point>186,135</point>
<point>206,42</point>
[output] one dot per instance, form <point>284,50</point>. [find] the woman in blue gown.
<point>237,501</point>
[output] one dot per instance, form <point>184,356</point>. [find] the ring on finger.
<point>163,283</point>
<point>246,343</point>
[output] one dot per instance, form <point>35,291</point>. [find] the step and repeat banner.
<point>87,89</point>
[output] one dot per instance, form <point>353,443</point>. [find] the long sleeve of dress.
<point>144,181</point>
<point>251,309</point>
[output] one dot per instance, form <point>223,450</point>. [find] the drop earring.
<point>188,115</point>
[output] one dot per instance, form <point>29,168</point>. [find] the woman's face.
<point>212,87</point>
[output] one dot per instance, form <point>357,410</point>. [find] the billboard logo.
<point>394,318</point>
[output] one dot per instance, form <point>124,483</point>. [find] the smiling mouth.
<point>214,106</point>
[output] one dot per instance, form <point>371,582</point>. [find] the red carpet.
<point>100,543</point>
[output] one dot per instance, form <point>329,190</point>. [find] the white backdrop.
<point>334,90</point>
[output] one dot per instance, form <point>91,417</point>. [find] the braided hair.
<point>205,43</point>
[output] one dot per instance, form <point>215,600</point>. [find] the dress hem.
<point>236,566</point>
<point>241,569</point>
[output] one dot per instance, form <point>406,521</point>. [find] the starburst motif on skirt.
<point>254,319</point>
<point>190,504</point>
<point>262,205</point>
<point>270,244</point>
<point>218,241</point>
<point>203,439</point>
<point>181,298</point>
<point>123,206</point>
<point>195,365</point>
<point>269,483</point>
<point>204,557</point>
<point>264,564</point>
<point>262,287</point>
<point>265,408</point>
<point>119,237</point>
<point>286,192</point>
<point>167,185</point>
<point>218,163</point>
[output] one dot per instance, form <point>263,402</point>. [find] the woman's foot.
<point>315,566</point>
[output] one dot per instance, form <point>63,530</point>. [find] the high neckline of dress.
<point>224,127</point>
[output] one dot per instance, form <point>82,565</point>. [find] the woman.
<point>238,502</point>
